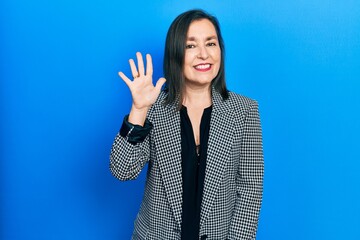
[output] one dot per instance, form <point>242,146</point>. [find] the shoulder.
<point>158,105</point>
<point>160,101</point>
<point>241,106</point>
<point>240,99</point>
<point>240,102</point>
<point>162,96</point>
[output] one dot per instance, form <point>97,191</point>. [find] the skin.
<point>201,65</point>
<point>202,55</point>
<point>143,92</point>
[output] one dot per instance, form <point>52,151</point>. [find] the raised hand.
<point>143,92</point>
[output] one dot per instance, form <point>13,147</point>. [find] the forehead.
<point>202,28</point>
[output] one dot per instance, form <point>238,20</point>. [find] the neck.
<point>197,97</point>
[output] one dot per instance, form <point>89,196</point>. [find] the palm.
<point>143,91</point>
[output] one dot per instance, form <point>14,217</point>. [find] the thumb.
<point>160,83</point>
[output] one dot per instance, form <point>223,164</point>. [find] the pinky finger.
<point>125,78</point>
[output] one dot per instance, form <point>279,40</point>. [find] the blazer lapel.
<point>168,148</point>
<point>219,149</point>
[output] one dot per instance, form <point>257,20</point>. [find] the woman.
<point>202,143</point>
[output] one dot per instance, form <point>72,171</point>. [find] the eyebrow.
<point>207,39</point>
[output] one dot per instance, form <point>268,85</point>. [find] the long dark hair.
<point>175,53</point>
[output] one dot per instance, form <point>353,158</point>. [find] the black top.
<point>193,172</point>
<point>193,165</point>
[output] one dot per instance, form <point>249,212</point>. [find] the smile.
<point>203,67</point>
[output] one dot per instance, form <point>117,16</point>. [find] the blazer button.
<point>203,237</point>
<point>176,230</point>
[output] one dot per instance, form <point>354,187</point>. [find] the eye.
<point>211,44</point>
<point>190,45</point>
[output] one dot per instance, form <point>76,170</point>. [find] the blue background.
<point>62,103</point>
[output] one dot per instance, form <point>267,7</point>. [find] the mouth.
<point>203,67</point>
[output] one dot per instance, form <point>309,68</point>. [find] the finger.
<point>140,62</point>
<point>125,78</point>
<point>149,66</point>
<point>160,83</point>
<point>134,71</point>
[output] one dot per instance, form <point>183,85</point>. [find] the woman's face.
<point>202,54</point>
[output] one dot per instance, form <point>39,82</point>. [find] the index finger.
<point>149,66</point>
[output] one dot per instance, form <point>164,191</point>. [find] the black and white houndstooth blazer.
<point>233,181</point>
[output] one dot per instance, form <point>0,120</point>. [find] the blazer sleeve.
<point>249,183</point>
<point>128,158</point>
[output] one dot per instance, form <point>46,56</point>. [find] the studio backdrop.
<point>62,104</point>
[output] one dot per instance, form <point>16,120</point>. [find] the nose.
<point>203,53</point>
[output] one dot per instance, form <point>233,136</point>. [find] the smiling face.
<point>202,54</point>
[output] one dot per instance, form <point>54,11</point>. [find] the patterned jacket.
<point>233,183</point>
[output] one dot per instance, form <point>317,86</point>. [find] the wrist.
<point>139,110</point>
<point>137,116</point>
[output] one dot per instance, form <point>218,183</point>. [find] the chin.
<point>205,81</point>
<point>202,83</point>
<point>201,80</point>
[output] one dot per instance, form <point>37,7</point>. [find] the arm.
<point>249,179</point>
<point>131,148</point>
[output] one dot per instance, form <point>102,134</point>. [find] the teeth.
<point>202,66</point>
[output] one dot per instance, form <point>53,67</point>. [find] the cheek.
<point>218,54</point>
<point>188,62</point>
<point>217,59</point>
